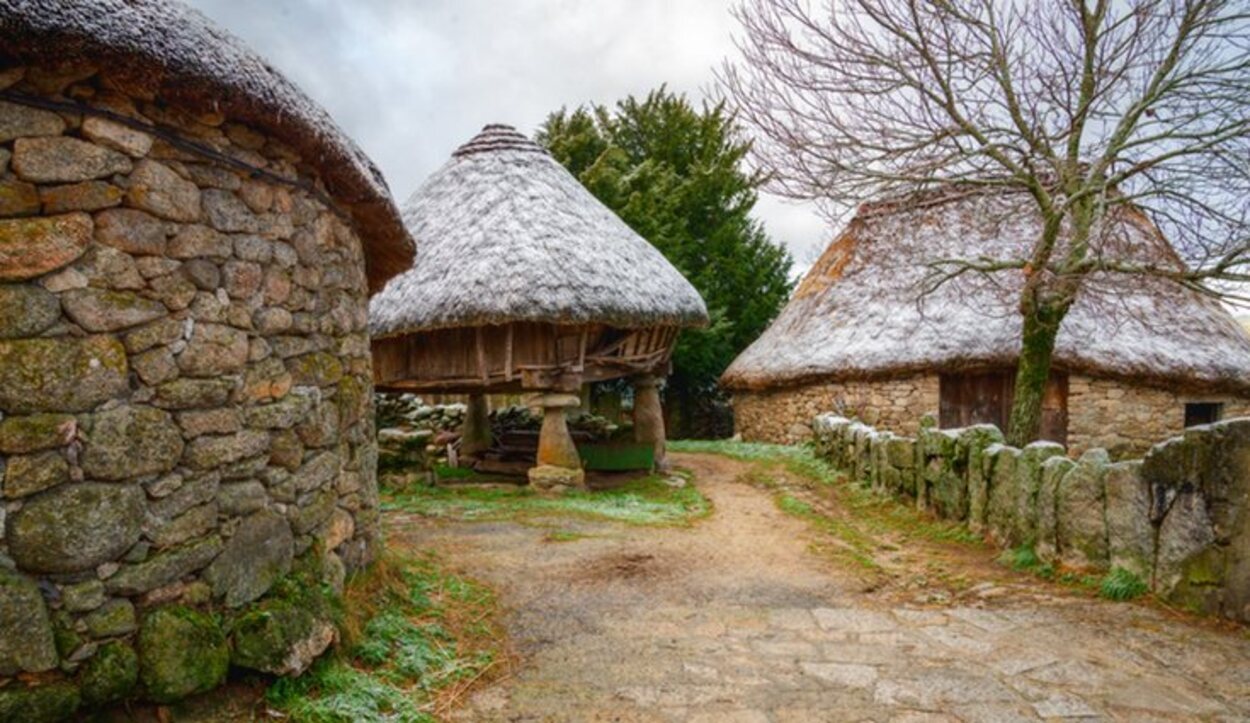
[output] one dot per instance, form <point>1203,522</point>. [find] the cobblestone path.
<point>734,619</point>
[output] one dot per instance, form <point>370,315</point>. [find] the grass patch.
<point>1120,584</point>
<point>646,501</point>
<point>1024,559</point>
<point>853,545</point>
<point>415,638</point>
<point>872,513</point>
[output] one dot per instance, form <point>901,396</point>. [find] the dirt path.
<point>735,619</point>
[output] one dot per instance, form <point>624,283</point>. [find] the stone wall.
<point>1179,518</point>
<point>1125,419</point>
<point>783,416</point>
<point>185,393</point>
<point>1122,418</point>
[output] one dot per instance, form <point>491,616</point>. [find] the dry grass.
<point>416,638</point>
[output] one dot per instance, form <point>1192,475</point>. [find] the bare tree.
<point>1085,105</point>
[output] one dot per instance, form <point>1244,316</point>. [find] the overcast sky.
<point>412,79</point>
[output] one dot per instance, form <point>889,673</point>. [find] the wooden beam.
<point>481,354</point>
<point>507,371</point>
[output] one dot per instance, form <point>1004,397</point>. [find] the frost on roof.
<point>862,310</point>
<point>507,234</point>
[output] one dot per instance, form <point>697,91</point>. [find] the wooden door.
<point>986,397</point>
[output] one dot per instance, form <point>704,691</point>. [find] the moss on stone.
<point>290,626</point>
<point>67,639</point>
<point>181,652</point>
<point>263,636</point>
<point>111,675</point>
<point>318,368</point>
<point>35,432</point>
<point>62,374</point>
<point>42,704</point>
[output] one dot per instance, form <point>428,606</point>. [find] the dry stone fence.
<point>1179,518</point>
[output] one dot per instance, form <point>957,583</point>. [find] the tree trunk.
<point>1041,327</point>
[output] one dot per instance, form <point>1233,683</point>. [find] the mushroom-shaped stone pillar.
<point>475,435</point>
<point>648,416</point>
<point>559,465</point>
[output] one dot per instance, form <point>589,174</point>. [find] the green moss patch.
<point>110,675</point>
<point>41,704</point>
<point>181,652</point>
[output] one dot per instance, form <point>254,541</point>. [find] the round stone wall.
<point>185,381</point>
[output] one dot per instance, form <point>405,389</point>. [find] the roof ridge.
<point>498,137</point>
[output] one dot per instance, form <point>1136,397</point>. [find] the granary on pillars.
<point>526,282</point>
<point>1137,358</point>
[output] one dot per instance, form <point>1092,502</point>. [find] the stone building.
<point>867,336</point>
<point>187,247</point>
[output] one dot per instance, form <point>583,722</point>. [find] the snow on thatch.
<point>174,53</point>
<point>507,234</point>
<point>863,311</point>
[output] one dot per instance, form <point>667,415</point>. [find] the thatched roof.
<point>860,313</point>
<point>179,56</point>
<point>507,234</point>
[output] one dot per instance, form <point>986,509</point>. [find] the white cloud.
<point>412,79</point>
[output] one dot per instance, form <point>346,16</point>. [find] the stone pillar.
<point>559,465</point>
<point>649,417</point>
<point>475,434</point>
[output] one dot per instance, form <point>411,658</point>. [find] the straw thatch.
<point>507,234</point>
<point>174,53</point>
<point>861,311</point>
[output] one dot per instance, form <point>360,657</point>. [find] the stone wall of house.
<point>1126,419</point>
<point>783,416</point>
<point>185,399</point>
<point>1178,519</point>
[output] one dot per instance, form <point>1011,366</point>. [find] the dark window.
<point>1203,413</point>
<point>985,398</point>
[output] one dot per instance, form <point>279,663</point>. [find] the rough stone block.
<point>31,247</point>
<point>131,441</point>
<point>156,188</point>
<point>104,310</point>
<point>1130,536</point>
<point>61,159</point>
<point>181,652</point>
<point>27,474</point>
<point>1081,523</point>
<point>164,567</point>
<point>26,643</point>
<point>259,553</point>
<point>75,527</point>
<point>18,121</point>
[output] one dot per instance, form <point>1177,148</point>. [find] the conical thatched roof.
<point>176,54</point>
<point>859,313</point>
<point>507,234</point>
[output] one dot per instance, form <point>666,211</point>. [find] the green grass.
<point>646,501</point>
<point>873,513</point>
<point>1025,559</point>
<point>856,547</point>
<point>414,635</point>
<point>1120,584</point>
